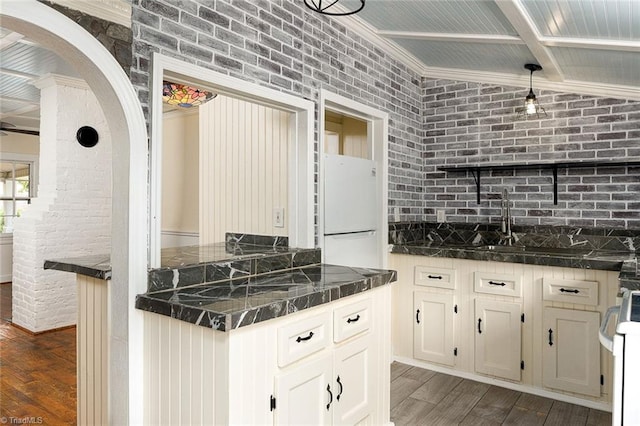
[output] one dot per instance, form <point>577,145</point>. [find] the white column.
<point>71,215</point>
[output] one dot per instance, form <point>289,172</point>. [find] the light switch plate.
<point>440,216</point>
<point>278,217</point>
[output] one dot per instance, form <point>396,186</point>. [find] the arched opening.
<point>126,122</point>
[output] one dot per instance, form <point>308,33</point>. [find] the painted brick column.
<point>71,215</point>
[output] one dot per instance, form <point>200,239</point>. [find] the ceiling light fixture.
<point>184,96</point>
<point>326,7</point>
<point>531,108</point>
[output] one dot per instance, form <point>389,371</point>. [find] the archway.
<point>129,211</point>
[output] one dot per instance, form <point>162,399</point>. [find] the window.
<point>15,191</point>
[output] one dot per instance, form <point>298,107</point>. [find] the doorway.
<point>126,122</point>
<point>350,129</point>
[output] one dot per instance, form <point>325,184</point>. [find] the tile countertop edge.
<point>98,266</point>
<point>625,264</point>
<point>220,321</point>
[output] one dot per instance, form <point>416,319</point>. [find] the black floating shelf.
<point>477,169</point>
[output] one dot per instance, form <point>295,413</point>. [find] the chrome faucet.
<point>505,217</point>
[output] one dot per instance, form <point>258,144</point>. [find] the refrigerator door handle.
<point>605,339</point>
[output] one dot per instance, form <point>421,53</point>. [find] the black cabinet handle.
<point>479,329</point>
<point>302,339</point>
<point>550,337</point>
<point>575,290</point>
<point>330,397</point>
<point>434,277</point>
<point>497,283</point>
<point>418,316</point>
<point>340,383</point>
<point>350,320</point>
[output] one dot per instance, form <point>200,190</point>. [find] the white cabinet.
<point>282,371</point>
<point>571,354</point>
<point>433,330</point>
<point>302,395</point>
<point>498,338</point>
<point>353,374</point>
<point>334,388</point>
<point>513,303</point>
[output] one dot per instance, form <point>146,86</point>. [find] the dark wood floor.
<point>424,397</point>
<point>37,373</point>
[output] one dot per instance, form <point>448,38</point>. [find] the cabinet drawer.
<point>302,338</point>
<point>496,283</point>
<point>435,277</point>
<point>351,319</point>
<point>570,291</point>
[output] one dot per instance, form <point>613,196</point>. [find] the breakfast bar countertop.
<point>230,304</point>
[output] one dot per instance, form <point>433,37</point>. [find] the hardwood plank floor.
<point>424,397</point>
<point>37,373</point>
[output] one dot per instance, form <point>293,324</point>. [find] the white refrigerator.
<point>350,212</point>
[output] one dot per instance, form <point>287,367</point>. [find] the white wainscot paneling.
<point>244,154</point>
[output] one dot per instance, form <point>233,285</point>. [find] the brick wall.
<point>282,45</point>
<point>71,215</point>
<point>471,123</point>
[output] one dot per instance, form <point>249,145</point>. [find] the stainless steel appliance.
<point>625,346</point>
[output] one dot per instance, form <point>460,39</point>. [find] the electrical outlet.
<point>396,214</point>
<point>278,217</point>
<point>440,216</point>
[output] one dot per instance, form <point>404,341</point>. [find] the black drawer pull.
<point>550,337</point>
<point>418,316</point>
<point>479,329</point>
<point>330,397</point>
<point>575,290</point>
<point>302,339</point>
<point>497,283</point>
<point>434,277</point>
<point>350,320</point>
<point>341,388</point>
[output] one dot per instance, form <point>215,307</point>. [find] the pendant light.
<point>325,7</point>
<point>184,96</point>
<point>531,108</point>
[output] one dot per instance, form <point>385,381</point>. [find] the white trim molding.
<point>123,112</point>
<point>301,166</point>
<point>118,11</point>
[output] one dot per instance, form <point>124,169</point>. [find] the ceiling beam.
<point>18,100</point>
<point>9,40</point>
<point>526,29</point>
<point>580,43</point>
<point>18,74</point>
<point>18,112</point>
<point>465,38</point>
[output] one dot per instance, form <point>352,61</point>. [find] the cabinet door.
<point>303,395</point>
<point>498,338</point>
<point>433,327</point>
<point>353,382</point>
<point>571,354</point>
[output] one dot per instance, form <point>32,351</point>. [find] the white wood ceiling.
<point>586,46</point>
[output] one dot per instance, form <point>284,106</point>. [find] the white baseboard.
<point>597,405</point>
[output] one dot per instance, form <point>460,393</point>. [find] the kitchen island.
<point>260,333</point>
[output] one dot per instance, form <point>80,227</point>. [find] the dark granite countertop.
<point>99,266</point>
<point>95,266</point>
<point>230,304</point>
<point>576,257</point>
